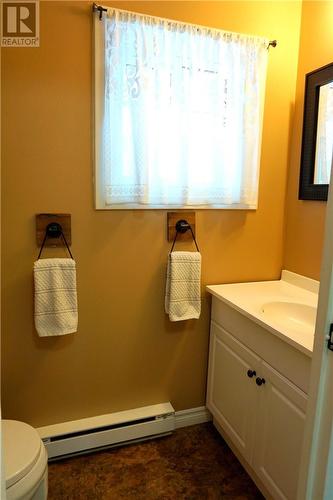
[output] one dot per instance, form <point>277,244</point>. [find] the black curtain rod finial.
<point>272,43</point>
<point>100,9</point>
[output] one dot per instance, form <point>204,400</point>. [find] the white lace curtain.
<point>181,114</point>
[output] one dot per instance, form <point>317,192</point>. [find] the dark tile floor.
<point>192,463</point>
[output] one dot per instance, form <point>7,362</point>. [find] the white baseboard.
<point>192,416</point>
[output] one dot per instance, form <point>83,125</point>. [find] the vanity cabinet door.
<point>232,395</point>
<point>279,433</point>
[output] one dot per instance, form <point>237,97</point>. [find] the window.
<point>178,114</point>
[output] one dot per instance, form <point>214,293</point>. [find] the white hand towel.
<point>55,297</point>
<point>182,295</point>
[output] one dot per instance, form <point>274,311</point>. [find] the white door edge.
<point>316,473</point>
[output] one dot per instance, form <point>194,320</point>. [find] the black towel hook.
<point>181,227</point>
<point>54,230</point>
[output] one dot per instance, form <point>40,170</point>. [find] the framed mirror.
<point>317,141</point>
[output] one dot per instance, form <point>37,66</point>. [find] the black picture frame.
<point>313,81</point>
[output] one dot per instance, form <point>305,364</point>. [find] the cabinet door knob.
<point>260,381</point>
<point>251,373</point>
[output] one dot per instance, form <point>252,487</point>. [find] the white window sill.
<point>178,207</point>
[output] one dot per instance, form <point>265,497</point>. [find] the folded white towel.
<point>182,295</point>
<point>55,297</point>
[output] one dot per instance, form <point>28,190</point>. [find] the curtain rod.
<point>100,9</point>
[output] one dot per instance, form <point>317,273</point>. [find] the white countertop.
<point>286,307</point>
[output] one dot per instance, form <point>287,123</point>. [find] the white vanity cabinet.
<point>279,433</point>
<point>232,396</point>
<point>257,408</point>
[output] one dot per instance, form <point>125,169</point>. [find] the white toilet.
<point>25,461</point>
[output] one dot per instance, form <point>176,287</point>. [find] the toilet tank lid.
<point>22,445</point>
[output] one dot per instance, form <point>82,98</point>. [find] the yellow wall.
<point>305,219</point>
<point>126,353</point>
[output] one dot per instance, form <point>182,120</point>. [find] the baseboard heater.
<point>105,431</point>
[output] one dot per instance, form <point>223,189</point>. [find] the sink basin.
<point>300,317</point>
<point>286,308</point>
